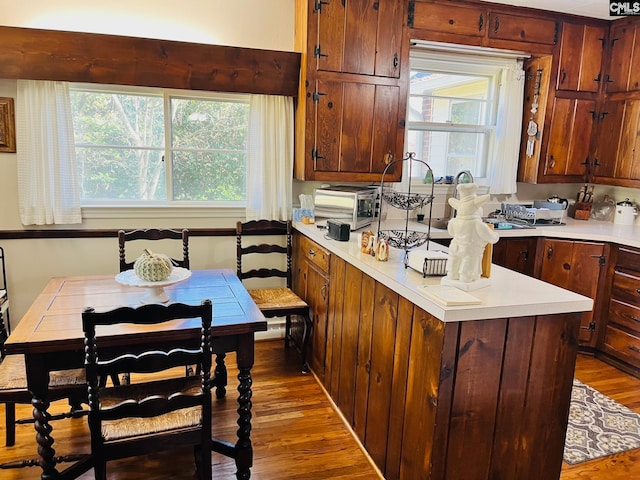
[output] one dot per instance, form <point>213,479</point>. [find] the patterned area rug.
<point>598,426</point>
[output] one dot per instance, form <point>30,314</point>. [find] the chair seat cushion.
<point>13,375</point>
<point>133,427</point>
<point>276,298</point>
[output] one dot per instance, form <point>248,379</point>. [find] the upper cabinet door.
<point>467,20</point>
<point>521,28</point>
<point>621,41</point>
<point>359,36</point>
<point>580,57</point>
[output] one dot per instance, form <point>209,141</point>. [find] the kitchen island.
<point>475,391</point>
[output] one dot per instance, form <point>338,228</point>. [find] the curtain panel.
<point>47,171</point>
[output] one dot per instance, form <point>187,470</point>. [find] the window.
<point>454,100</point>
<point>157,147</point>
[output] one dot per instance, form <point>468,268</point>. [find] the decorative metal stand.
<point>405,239</point>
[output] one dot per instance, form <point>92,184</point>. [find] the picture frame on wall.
<point>7,126</point>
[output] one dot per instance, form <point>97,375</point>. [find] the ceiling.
<point>586,8</point>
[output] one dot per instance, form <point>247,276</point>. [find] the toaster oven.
<point>350,204</point>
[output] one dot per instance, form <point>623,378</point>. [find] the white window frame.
<point>159,209</point>
<point>451,58</point>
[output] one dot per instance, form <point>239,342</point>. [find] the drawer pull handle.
<point>633,349</point>
<point>635,319</point>
<point>312,253</point>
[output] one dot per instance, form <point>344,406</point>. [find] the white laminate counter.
<point>509,294</point>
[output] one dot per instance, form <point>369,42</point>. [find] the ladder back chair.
<point>162,412</point>
<point>69,384</point>
<point>273,301</point>
<point>153,234</point>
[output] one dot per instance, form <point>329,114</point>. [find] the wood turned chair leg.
<point>308,330</point>
<point>287,331</point>
<point>10,423</point>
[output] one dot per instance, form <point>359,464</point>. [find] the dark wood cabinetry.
<point>621,339</point>
<point>579,267</point>
<point>568,150</point>
<point>623,73</point>
<point>351,109</point>
<point>311,282</point>
<point>517,254</point>
<point>523,28</point>
<point>580,58</point>
<point>420,394</point>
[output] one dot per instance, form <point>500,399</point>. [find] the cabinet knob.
<point>633,349</point>
<point>312,252</point>
<point>566,266</point>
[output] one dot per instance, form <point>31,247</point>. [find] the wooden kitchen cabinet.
<point>568,150</point>
<point>580,58</point>
<point>311,283</point>
<point>451,19</point>
<point>621,340</point>
<point>359,36</point>
<point>351,108</point>
<point>622,74</point>
<point>516,253</point>
<point>579,267</point>
<point>521,28</point>
<point>617,159</point>
<point>420,393</point>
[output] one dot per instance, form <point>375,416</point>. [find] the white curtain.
<point>508,128</point>
<point>270,160</point>
<point>48,190</point>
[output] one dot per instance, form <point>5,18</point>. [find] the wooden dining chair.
<point>273,301</point>
<point>159,412</point>
<point>153,234</point>
<point>69,384</point>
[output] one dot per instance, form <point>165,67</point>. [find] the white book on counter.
<point>448,295</point>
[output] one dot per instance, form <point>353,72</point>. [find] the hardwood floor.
<point>296,434</point>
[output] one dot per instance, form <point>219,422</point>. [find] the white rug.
<point>598,426</point>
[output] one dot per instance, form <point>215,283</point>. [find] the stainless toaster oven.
<point>350,204</point>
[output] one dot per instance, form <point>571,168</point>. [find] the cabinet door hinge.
<point>315,155</point>
<point>318,53</point>
<point>316,96</point>
<point>318,5</point>
<point>411,15</point>
<point>556,33</point>
<point>602,260</point>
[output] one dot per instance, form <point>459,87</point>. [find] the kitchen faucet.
<point>456,180</point>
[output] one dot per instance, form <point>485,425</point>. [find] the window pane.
<point>447,153</point>
<point>209,124</point>
<point>117,119</point>
<point>121,174</point>
<point>209,176</point>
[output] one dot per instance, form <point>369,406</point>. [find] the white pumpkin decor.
<point>153,267</point>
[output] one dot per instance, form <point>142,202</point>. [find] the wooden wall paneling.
<point>364,357</point>
<point>345,394</point>
<point>385,316</point>
<point>111,59</point>
<point>334,324</point>
<point>475,398</point>
<point>431,355</point>
<point>399,388</point>
<point>507,441</point>
<point>548,395</point>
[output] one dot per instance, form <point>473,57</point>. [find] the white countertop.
<point>509,294</point>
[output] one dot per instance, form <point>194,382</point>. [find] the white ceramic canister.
<point>625,213</point>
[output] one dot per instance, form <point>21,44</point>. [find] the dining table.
<point>50,337</point>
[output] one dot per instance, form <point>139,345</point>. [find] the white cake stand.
<point>155,290</point>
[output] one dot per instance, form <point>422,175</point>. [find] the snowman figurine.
<point>470,236</point>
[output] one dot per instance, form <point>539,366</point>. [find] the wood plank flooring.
<point>296,433</point>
